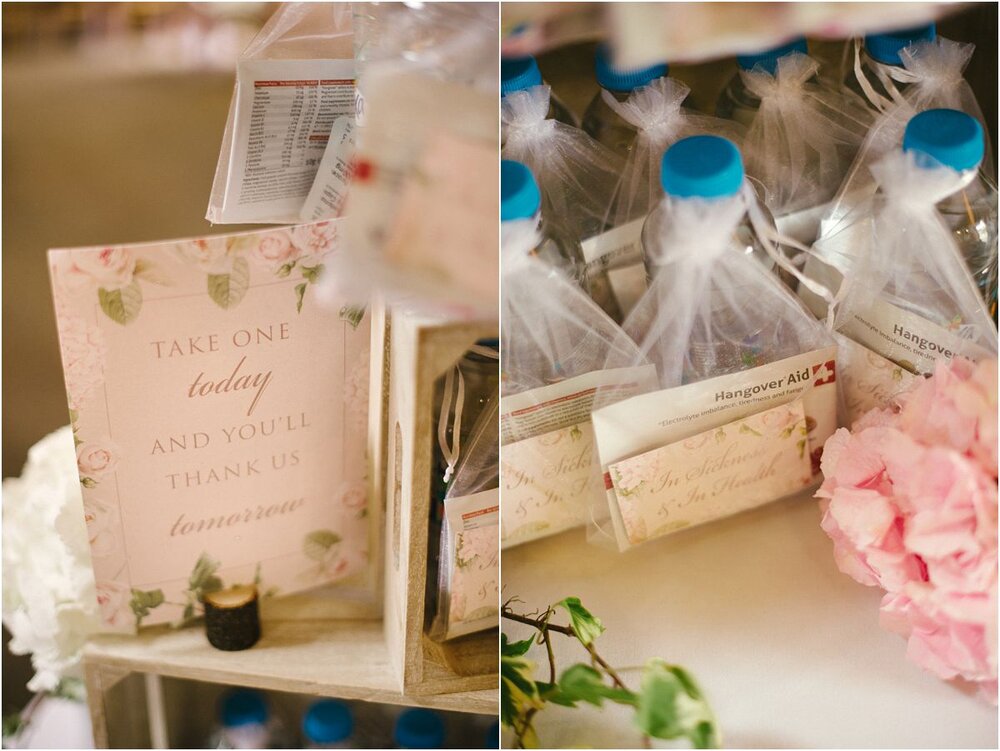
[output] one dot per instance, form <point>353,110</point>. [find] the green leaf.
<point>203,574</point>
<point>285,270</point>
<point>584,625</point>
<point>88,482</point>
<point>226,290</point>
<point>312,273</point>
<point>672,706</point>
<point>518,692</point>
<point>514,649</point>
<point>352,315</point>
<point>584,683</point>
<point>143,602</point>
<point>121,305</point>
<point>300,293</point>
<point>317,544</point>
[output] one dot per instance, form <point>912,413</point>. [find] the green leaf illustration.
<point>672,706</point>
<point>312,273</point>
<point>143,602</point>
<point>584,625</point>
<point>121,305</point>
<point>318,543</point>
<point>300,293</point>
<point>352,315</point>
<point>88,482</point>
<point>203,578</point>
<point>744,428</point>
<point>226,290</point>
<point>285,270</point>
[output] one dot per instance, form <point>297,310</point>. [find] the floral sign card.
<point>219,409</point>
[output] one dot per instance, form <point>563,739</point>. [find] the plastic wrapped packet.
<point>468,582</point>
<point>296,77</point>
<point>909,299</point>
<point>656,113</point>
<point>576,174</point>
<point>423,197</point>
<point>802,140</point>
<point>557,348</point>
<point>745,391</point>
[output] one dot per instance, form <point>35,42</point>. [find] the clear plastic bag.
<point>468,559</point>
<point>556,345</point>
<point>804,136</point>
<point>296,74</point>
<point>577,175</point>
<point>659,119</point>
<point>738,358</point>
<point>909,296</point>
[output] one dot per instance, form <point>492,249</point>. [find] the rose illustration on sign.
<point>114,273</point>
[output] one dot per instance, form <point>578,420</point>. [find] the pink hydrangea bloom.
<point>910,501</point>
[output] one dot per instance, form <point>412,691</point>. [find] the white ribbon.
<point>452,453</point>
<point>887,75</point>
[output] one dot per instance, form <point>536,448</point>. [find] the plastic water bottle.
<point>519,73</point>
<point>955,140</point>
<point>601,122</point>
<point>244,721</point>
<point>711,168</point>
<point>880,53</point>
<point>521,199</point>
<point>739,104</point>
<point>328,724</point>
<point>419,728</point>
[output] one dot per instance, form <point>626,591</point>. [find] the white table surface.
<point>788,649</point>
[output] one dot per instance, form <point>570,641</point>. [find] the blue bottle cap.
<point>243,707</point>
<point>492,738</point>
<point>328,721</point>
<point>419,728</point>
<point>886,47</point>
<point>702,167</point>
<point>945,137</point>
<point>768,59</point>
<point>519,194</point>
<point>518,73</point>
<point>624,79</point>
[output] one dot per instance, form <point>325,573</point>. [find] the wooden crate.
<point>314,644</point>
<point>420,351</point>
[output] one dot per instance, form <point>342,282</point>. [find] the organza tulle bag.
<point>576,174</point>
<point>909,299</point>
<point>804,136</point>
<point>745,390</point>
<point>557,348</point>
<point>469,553</point>
<point>932,72</point>
<point>656,113</point>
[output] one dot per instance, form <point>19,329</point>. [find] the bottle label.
<point>471,555</point>
<point>867,380</point>
<point>910,340</point>
<point>546,464</point>
<point>678,457</point>
<point>619,252</point>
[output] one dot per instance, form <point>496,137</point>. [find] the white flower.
<point>49,598</point>
<point>96,459</point>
